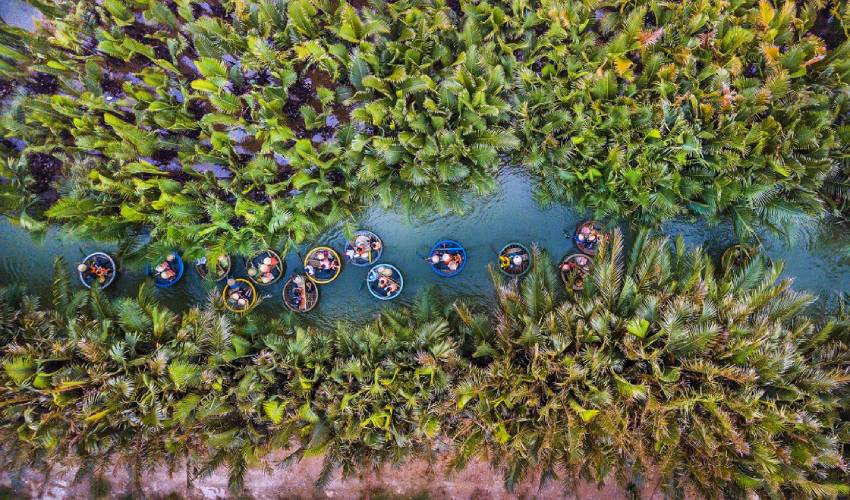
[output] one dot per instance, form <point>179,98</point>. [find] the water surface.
<point>510,214</point>
<point>18,13</point>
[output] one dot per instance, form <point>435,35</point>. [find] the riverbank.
<point>415,479</point>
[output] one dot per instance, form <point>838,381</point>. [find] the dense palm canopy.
<point>713,378</point>
<point>670,108</point>
<point>227,126</point>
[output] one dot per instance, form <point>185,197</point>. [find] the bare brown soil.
<point>414,479</point>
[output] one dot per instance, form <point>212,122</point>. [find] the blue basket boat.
<point>450,258</point>
<point>99,268</point>
<point>175,265</point>
<point>385,282</point>
<point>365,249</point>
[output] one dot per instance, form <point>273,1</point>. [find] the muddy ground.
<point>412,480</point>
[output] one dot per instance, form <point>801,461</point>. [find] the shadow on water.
<point>511,214</point>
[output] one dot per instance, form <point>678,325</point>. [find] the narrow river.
<point>822,267</point>
<point>488,223</point>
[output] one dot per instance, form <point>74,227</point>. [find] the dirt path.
<point>413,480</point>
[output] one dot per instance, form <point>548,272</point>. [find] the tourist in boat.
<point>363,247</point>
<point>387,285</point>
<point>266,269</point>
<point>588,235</point>
<point>167,269</point>
<point>454,262</point>
<point>97,267</point>
<point>239,295</point>
<point>95,271</point>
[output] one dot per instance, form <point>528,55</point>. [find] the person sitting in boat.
<point>579,263</point>
<point>326,264</point>
<point>267,269</point>
<point>504,262</point>
<point>388,285</point>
<point>578,267</point>
<point>223,265</point>
<point>297,300</point>
<point>376,245</point>
<point>310,270</point>
<point>516,261</point>
<point>298,295</point>
<point>239,295</point>
<point>588,236</point>
<point>167,269</point>
<point>454,262</point>
<point>95,271</point>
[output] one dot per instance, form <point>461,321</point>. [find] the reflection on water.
<point>489,222</point>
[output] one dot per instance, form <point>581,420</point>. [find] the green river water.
<point>821,267</point>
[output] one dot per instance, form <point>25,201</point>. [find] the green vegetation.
<point>233,125</point>
<point>712,377</point>
<point>712,109</point>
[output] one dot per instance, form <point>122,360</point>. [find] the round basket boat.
<point>574,268</point>
<point>737,256</point>
<point>588,235</point>
<point>322,265</point>
<point>223,267</point>
<point>239,295</point>
<point>365,249</point>
<point>385,282</point>
<point>514,259</point>
<point>265,272</point>
<point>172,266</point>
<point>300,294</point>
<point>99,268</point>
<point>447,258</point>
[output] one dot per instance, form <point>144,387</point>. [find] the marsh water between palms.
<point>819,263</point>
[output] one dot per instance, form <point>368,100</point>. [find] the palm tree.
<point>430,108</point>
<point>658,365</point>
<point>621,118</point>
<point>102,380</point>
